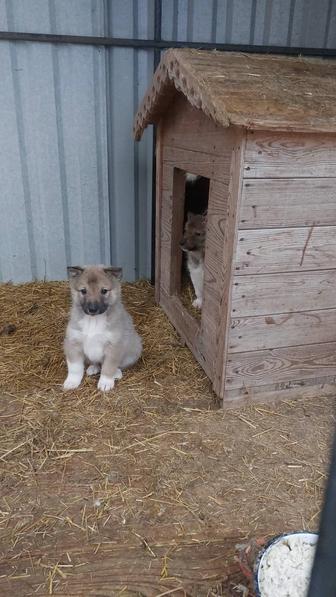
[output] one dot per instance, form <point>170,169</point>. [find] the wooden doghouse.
<point>262,129</point>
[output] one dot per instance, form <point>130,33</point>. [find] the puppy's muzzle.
<point>94,308</point>
<point>187,246</point>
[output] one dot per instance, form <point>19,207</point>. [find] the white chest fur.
<point>94,336</point>
<point>196,275</point>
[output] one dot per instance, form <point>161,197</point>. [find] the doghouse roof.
<point>249,90</point>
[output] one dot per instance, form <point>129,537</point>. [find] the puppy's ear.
<point>74,271</point>
<point>114,272</point>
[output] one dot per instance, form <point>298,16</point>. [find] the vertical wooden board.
<point>289,155</point>
<point>216,217</point>
<point>264,294</point>
<point>286,202</point>
<point>165,240</point>
<point>286,249</point>
<point>281,330</point>
<point>158,208</point>
<point>213,275</point>
<point>225,257</point>
<point>176,230</point>
<point>280,365</point>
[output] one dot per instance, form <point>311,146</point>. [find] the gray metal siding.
<point>302,23</point>
<point>74,187</point>
<point>130,164</point>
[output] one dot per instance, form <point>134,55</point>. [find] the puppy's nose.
<point>93,308</point>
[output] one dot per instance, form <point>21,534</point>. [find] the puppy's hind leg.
<point>133,352</point>
<point>75,362</point>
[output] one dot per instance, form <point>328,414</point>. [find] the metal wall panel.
<point>305,23</point>
<point>72,17</point>
<point>130,164</point>
<point>74,187</point>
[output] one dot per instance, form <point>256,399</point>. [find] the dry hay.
<point>154,462</point>
<point>187,295</point>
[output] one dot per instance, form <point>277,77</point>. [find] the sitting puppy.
<point>100,331</point>
<point>193,243</point>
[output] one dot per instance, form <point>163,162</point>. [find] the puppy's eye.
<point>198,233</point>
<point>104,291</point>
<point>83,291</point>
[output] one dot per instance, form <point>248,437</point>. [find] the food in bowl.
<point>285,566</point>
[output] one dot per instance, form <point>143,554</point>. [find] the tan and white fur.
<point>193,243</point>
<point>191,177</point>
<point>100,332</point>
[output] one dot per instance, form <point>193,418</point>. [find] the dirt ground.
<point>147,489</point>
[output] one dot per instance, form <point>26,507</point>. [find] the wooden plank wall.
<point>282,338</point>
<point>190,142</point>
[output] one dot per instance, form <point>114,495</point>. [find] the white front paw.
<point>93,370</point>
<point>72,382</point>
<point>197,303</point>
<point>105,384</point>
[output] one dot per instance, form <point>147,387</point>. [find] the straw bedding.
<point>155,457</point>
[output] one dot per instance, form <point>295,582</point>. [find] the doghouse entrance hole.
<point>193,190</point>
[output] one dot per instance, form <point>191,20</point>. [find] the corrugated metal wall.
<point>300,23</point>
<point>74,188</point>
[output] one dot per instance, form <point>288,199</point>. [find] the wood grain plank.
<point>286,249</point>
<point>188,328</point>
<point>264,294</point>
<point>287,202</point>
<point>287,329</point>
<point>165,240</point>
<point>297,390</point>
<point>198,162</point>
<point>226,259</point>
<point>279,365</point>
<point>176,231</point>
<point>289,155</point>
<point>213,273</point>
<point>188,125</point>
<point>158,208</point>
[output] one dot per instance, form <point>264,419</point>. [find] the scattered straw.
<point>153,463</point>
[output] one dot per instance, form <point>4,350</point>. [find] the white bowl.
<point>283,567</point>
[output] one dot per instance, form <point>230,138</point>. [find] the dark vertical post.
<point>157,53</point>
<point>323,579</point>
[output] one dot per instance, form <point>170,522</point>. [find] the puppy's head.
<point>95,288</point>
<point>194,232</point>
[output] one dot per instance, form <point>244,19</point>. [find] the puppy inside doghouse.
<point>193,241</point>
<point>100,332</point>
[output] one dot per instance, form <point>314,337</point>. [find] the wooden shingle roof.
<point>249,90</point>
